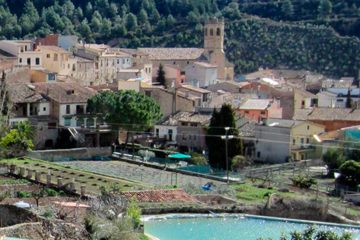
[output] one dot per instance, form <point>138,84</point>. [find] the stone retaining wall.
<point>68,154</point>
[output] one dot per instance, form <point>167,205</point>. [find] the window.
<point>44,109</point>
<point>211,32</point>
<point>55,57</point>
<point>157,132</point>
<point>308,127</point>
<point>48,55</point>
<point>258,154</point>
<point>340,100</point>
<point>307,140</point>
<point>247,112</point>
<point>67,122</point>
<point>294,141</point>
<point>302,140</point>
<point>174,62</point>
<point>80,109</point>
<point>187,62</point>
<point>67,109</point>
<point>193,124</point>
<point>21,49</point>
<point>118,61</point>
<point>79,122</point>
<point>37,61</point>
<point>51,125</point>
<point>51,76</point>
<point>262,112</point>
<point>20,60</point>
<point>148,93</point>
<point>26,48</point>
<point>206,32</point>
<point>28,61</point>
<point>218,31</point>
<point>183,124</point>
<point>170,134</point>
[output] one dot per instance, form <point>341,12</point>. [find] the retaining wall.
<point>69,154</point>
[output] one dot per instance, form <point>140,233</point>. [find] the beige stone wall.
<point>165,99</point>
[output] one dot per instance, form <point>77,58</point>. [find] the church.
<point>212,53</point>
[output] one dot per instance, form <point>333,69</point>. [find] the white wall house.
<point>201,74</point>
<point>24,51</point>
<point>327,99</point>
<point>167,132</point>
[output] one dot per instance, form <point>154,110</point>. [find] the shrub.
<point>333,159</point>
<point>239,162</point>
<point>134,212</point>
<point>198,159</point>
<point>23,194</point>
<point>350,173</point>
<point>303,181</point>
<point>51,192</point>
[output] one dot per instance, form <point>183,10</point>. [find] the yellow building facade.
<point>302,142</point>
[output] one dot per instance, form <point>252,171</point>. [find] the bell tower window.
<point>218,31</point>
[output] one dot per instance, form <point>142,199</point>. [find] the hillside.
<point>300,34</point>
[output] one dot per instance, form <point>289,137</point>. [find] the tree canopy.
<point>125,109</point>
<point>216,146</point>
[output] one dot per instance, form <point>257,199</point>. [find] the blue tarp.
<point>179,156</point>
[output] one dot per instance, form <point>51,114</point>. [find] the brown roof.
<point>166,195</point>
<point>328,114</point>
<point>173,53</point>
<point>54,48</point>
<point>23,93</point>
<point>65,92</point>
<point>190,117</point>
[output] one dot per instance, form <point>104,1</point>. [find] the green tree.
<point>143,17</point>
<point>216,145</point>
<point>325,8</point>
<point>170,20</point>
<point>29,17</point>
<point>131,22</point>
<point>287,8</point>
<point>161,76</point>
<point>333,159</point>
<point>18,140</point>
<point>348,103</point>
<point>142,112</point>
<point>85,31</point>
<point>350,173</point>
<point>239,162</point>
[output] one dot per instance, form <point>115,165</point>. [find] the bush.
<point>51,192</point>
<point>239,162</point>
<point>197,159</point>
<point>350,173</point>
<point>333,159</point>
<point>134,212</point>
<point>303,181</point>
<point>23,194</point>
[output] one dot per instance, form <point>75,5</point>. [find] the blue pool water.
<point>230,227</point>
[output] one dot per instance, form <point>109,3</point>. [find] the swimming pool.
<point>231,227</point>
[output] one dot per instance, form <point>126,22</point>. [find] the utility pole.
<point>226,137</point>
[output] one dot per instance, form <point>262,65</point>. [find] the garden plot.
<point>152,176</point>
<point>92,181</point>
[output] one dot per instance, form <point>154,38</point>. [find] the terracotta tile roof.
<point>194,89</point>
<point>205,64</point>
<point>173,53</point>
<point>258,104</point>
<point>65,92</point>
<point>54,48</point>
<point>23,93</point>
<point>328,114</point>
<point>191,117</point>
<point>166,195</point>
